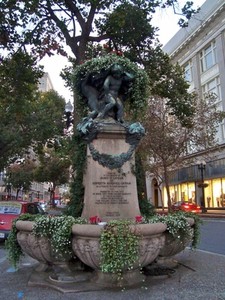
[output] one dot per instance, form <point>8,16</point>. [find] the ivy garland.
<point>89,129</point>
<point>75,206</point>
<point>111,161</point>
<point>118,247</point>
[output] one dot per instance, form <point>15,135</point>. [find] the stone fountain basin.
<point>174,246</point>
<point>86,243</point>
<point>37,247</point>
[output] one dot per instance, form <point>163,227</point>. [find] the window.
<point>188,72</point>
<point>212,87</point>
<point>208,57</point>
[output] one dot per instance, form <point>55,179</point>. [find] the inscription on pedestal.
<point>111,189</point>
<point>110,194</point>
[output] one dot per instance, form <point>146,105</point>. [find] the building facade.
<point>45,83</point>
<point>200,50</point>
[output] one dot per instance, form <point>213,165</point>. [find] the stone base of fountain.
<point>130,278</point>
<point>81,282</point>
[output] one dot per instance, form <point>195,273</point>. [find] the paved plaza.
<point>200,275</point>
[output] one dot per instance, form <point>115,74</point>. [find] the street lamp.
<point>9,191</point>
<point>52,194</point>
<point>68,113</point>
<point>201,166</point>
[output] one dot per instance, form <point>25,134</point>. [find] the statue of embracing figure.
<point>106,91</point>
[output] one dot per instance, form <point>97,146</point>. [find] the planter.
<point>86,246</point>
<point>40,249</point>
<point>172,247</point>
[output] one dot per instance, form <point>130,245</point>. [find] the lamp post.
<point>201,166</point>
<point>51,190</point>
<point>9,191</point>
<point>68,113</point>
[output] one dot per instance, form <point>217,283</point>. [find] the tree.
<point>27,117</point>
<point>18,91</point>
<point>45,24</point>
<point>54,165</point>
<point>20,176</point>
<point>168,142</point>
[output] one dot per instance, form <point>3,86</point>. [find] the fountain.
<point>110,185</point>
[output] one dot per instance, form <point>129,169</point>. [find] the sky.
<point>165,20</point>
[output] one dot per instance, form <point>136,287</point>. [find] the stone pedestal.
<point>110,193</point>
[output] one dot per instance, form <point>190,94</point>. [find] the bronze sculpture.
<point>106,91</point>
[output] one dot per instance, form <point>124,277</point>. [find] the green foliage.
<point>118,247</point>
<point>178,226</point>
<point>147,209</point>
<point>27,117</point>
<point>48,118</point>
<point>167,81</point>
<point>43,25</point>
<point>53,167</point>
<point>58,230</point>
<point>122,26</point>
<point>14,251</point>
<point>20,176</point>
<point>196,227</point>
<point>78,148</point>
<point>18,93</point>
<point>140,176</point>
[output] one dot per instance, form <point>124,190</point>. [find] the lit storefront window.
<point>184,192</point>
<point>216,192</point>
<point>191,191</point>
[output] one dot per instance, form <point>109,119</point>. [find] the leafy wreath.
<point>89,129</point>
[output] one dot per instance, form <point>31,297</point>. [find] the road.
<point>212,238</point>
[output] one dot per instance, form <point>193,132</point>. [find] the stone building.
<point>200,50</point>
<point>45,83</point>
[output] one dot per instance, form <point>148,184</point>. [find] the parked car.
<point>186,206</point>
<point>43,204</point>
<point>10,210</point>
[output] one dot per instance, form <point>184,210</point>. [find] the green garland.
<point>111,161</point>
<point>118,247</point>
<point>75,205</point>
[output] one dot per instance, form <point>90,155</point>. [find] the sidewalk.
<point>211,213</point>
<point>200,275</point>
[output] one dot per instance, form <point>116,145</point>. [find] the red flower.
<point>94,220</point>
<point>138,219</point>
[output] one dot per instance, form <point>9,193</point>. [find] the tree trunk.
<point>167,189</point>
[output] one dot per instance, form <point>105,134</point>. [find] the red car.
<point>10,210</point>
<point>186,206</point>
